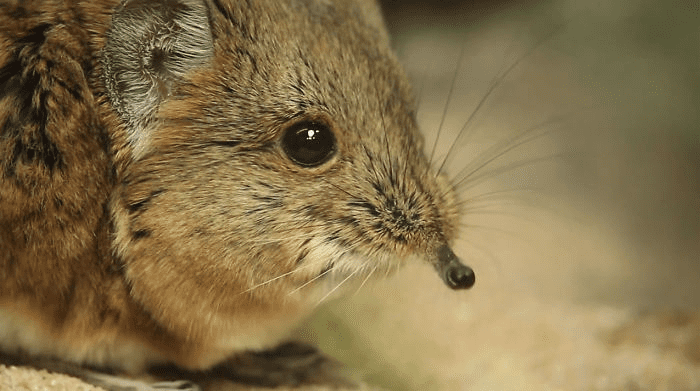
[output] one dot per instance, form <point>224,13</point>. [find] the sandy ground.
<point>587,280</point>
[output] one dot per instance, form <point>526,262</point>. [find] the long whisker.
<point>485,204</point>
<point>510,233</point>
<point>484,211</point>
<point>496,194</point>
<point>501,148</point>
<point>254,238</point>
<point>381,105</point>
<point>494,85</point>
<point>388,269</point>
<point>277,239</point>
<point>494,259</point>
<point>476,180</point>
<point>421,89</point>
<point>372,166</point>
<point>280,276</point>
<point>337,286</point>
<point>343,190</point>
<point>449,100</point>
<point>302,224</point>
<point>369,275</point>
<point>309,282</point>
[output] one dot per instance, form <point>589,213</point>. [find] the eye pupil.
<point>308,144</point>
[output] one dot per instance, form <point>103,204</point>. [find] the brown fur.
<point>160,230</point>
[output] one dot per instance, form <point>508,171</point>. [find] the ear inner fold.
<point>150,46</point>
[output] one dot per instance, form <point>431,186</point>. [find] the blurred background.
<point>572,234</point>
<point>627,75</point>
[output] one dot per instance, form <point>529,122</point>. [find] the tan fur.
<point>156,234</point>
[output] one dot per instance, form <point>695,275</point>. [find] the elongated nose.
<point>453,272</point>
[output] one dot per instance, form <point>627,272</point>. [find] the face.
<point>289,160</point>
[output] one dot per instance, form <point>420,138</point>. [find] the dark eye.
<point>309,144</point>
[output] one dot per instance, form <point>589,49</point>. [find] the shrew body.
<point>175,173</point>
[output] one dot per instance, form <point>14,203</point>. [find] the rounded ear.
<point>150,45</point>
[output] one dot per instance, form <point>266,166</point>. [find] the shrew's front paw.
<point>289,365</point>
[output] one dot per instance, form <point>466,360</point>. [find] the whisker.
<point>388,270</point>
<point>489,254</point>
<point>421,88</point>
<point>484,204</point>
<point>285,232</point>
<point>380,104</point>
<point>494,85</point>
<point>299,225</point>
<point>496,194</point>
<point>280,276</point>
<point>276,240</point>
<point>449,100</point>
<point>510,233</point>
<point>486,212</point>
<point>374,169</point>
<point>390,161</point>
<point>506,145</point>
<point>365,280</point>
<point>337,286</point>
<point>343,190</point>
<point>501,170</point>
<point>309,282</point>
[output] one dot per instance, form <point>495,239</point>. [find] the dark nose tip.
<point>460,277</point>
<point>454,273</point>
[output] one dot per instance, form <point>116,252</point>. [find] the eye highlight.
<point>309,144</point>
